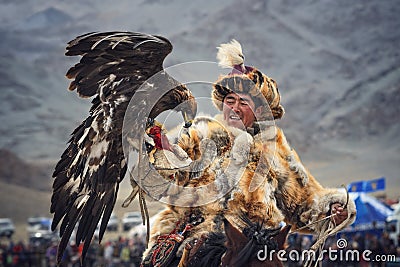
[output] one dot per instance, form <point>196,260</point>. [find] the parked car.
<point>40,228</point>
<point>7,227</point>
<point>113,223</point>
<point>38,223</point>
<point>131,219</point>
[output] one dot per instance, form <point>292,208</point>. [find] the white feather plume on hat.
<point>230,54</point>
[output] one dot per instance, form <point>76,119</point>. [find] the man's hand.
<point>340,214</point>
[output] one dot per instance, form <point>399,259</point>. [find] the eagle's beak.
<point>189,111</point>
<point>188,120</point>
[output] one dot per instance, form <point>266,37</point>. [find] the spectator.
<point>93,254</point>
<point>388,245</point>
<point>74,254</point>
<point>377,249</point>
<point>360,239</point>
<point>108,254</point>
<point>138,247</point>
<point>398,240</point>
<point>51,254</point>
<point>66,258</point>
<point>116,252</point>
<point>125,255</point>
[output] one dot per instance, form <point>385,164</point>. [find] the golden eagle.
<point>113,68</point>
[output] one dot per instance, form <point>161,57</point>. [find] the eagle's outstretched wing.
<point>114,65</point>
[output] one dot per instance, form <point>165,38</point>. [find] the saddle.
<point>163,252</point>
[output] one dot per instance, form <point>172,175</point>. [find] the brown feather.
<point>113,66</point>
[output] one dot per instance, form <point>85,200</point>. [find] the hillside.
<point>14,170</point>
<point>336,64</point>
<point>26,202</point>
<point>338,77</point>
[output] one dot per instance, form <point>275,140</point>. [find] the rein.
<point>328,228</point>
<point>327,217</point>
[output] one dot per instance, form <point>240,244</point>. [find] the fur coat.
<point>255,172</point>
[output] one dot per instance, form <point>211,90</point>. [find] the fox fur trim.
<point>321,206</point>
<point>285,190</point>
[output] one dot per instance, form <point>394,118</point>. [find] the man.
<point>274,185</point>
<point>240,111</point>
<point>249,96</point>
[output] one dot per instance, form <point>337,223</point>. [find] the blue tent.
<point>371,213</point>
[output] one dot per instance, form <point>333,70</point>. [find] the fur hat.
<point>247,80</point>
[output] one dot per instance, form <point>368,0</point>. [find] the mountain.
<point>20,203</point>
<point>15,171</point>
<point>336,64</point>
<point>50,17</point>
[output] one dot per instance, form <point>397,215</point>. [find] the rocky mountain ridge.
<point>336,64</point>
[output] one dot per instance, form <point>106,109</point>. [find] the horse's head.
<point>244,247</point>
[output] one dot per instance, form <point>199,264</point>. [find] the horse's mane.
<point>210,251</point>
<point>258,237</point>
<point>238,246</point>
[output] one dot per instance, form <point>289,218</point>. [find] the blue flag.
<point>367,186</point>
<point>355,186</point>
<point>374,185</point>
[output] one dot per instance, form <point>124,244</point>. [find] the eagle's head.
<point>188,108</point>
<point>179,99</point>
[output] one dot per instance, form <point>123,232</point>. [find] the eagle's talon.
<point>196,169</point>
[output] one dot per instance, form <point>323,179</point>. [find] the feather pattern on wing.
<point>113,67</point>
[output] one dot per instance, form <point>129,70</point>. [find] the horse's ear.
<point>281,237</point>
<point>234,237</point>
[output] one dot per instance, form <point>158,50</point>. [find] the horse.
<point>235,248</point>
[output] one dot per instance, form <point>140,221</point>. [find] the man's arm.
<point>300,197</point>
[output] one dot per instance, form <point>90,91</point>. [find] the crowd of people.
<point>127,252</point>
<point>124,252</point>
<point>347,248</point>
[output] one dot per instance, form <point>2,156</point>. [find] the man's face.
<point>239,110</point>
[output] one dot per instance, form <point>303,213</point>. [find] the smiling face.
<point>239,110</point>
